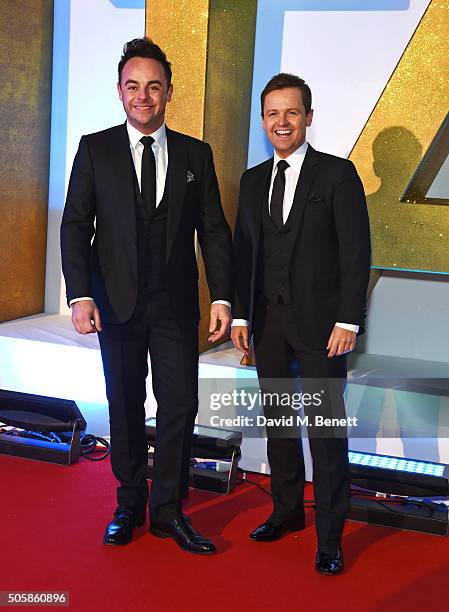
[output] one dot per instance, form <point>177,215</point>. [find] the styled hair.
<point>144,47</point>
<point>284,80</point>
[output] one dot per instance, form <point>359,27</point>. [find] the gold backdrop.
<point>211,46</point>
<point>407,234</point>
<point>26,31</point>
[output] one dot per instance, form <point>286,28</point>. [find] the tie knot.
<point>282,165</point>
<point>147,141</point>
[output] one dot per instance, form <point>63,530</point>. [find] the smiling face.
<point>285,120</point>
<point>144,92</point>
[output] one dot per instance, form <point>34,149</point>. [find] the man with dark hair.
<point>302,258</point>
<point>137,193</point>
<point>144,47</point>
<point>283,81</point>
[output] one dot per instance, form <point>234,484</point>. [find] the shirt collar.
<point>295,159</point>
<point>160,135</point>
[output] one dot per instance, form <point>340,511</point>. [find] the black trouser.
<point>278,347</point>
<point>174,369</point>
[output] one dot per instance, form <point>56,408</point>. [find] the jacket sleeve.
<point>242,262</point>
<point>353,235</point>
<point>78,225</point>
<point>214,236</point>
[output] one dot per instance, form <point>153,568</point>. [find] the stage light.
<point>397,463</point>
<point>220,446</point>
<point>38,414</point>
<point>384,485</point>
<point>399,475</point>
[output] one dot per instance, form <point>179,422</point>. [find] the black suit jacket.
<point>329,268</point>
<point>98,230</point>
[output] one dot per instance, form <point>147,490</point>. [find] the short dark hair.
<point>284,80</point>
<point>144,47</point>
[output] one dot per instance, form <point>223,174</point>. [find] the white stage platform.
<point>43,355</point>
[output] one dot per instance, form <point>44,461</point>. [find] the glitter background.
<point>211,47</point>
<point>399,131</point>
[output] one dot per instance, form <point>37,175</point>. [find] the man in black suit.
<point>137,194</point>
<point>302,257</point>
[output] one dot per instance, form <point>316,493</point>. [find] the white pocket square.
<point>190,176</point>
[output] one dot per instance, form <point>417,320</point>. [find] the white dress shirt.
<point>160,151</point>
<point>295,161</point>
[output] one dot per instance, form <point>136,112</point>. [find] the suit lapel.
<point>306,177</point>
<point>125,176</point>
<point>259,198</point>
<point>176,183</point>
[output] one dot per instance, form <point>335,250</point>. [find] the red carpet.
<point>53,517</point>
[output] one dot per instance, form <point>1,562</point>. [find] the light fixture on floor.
<point>384,485</point>
<point>219,447</point>
<point>25,414</point>
<point>399,475</point>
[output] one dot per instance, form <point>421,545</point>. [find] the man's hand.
<point>341,341</point>
<point>86,317</point>
<point>239,337</point>
<point>220,319</point>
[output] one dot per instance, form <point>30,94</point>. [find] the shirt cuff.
<point>239,323</point>
<point>224,302</point>
<point>348,326</point>
<point>80,299</point>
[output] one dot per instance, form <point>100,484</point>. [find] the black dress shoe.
<point>120,529</point>
<point>268,532</point>
<point>184,535</point>
<point>329,563</point>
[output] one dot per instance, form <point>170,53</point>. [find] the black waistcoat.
<point>275,254</point>
<point>152,243</point>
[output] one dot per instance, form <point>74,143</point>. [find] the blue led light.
<point>396,463</point>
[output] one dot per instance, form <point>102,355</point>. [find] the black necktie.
<point>148,176</point>
<point>277,194</point>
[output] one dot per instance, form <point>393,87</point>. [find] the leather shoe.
<point>329,563</point>
<point>184,535</point>
<point>120,529</point>
<point>268,532</point>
